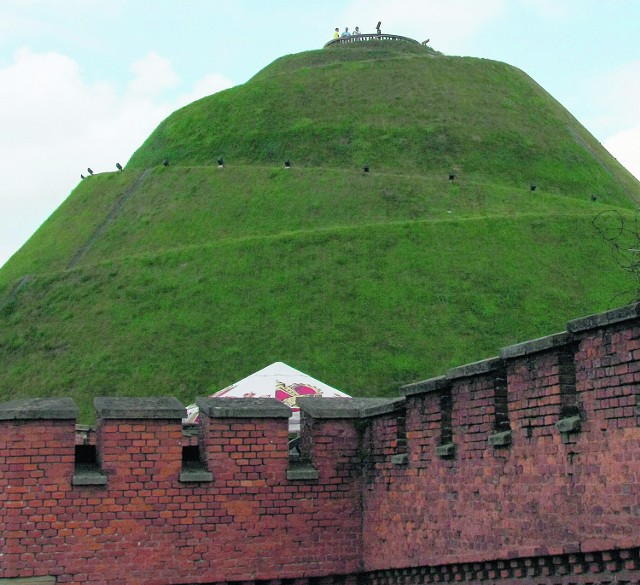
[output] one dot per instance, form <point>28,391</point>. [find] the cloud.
<point>616,92</point>
<point>55,124</point>
<point>625,146</point>
<point>451,24</point>
<point>154,74</point>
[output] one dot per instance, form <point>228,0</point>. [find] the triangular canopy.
<point>275,381</point>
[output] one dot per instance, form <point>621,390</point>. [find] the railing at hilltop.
<point>369,37</point>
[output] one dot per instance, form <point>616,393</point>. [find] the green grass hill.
<point>180,279</point>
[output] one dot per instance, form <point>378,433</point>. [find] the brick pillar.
<point>37,443</point>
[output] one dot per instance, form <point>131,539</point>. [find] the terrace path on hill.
<point>14,292</point>
<point>117,206</point>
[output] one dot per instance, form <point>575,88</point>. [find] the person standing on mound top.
<point>378,30</point>
<point>357,31</point>
<point>336,34</point>
<point>346,32</point>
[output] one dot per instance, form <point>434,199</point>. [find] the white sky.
<point>84,82</point>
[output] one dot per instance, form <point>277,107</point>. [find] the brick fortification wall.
<point>521,468</point>
<point>140,514</point>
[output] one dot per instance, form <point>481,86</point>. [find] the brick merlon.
<point>243,407</point>
<point>39,408</point>
<point>334,408</point>
<point>128,407</point>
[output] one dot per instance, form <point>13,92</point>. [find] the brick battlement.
<point>528,459</point>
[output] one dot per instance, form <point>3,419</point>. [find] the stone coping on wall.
<point>335,408</point>
<point>124,407</point>
<point>128,407</point>
<point>474,369</point>
<point>223,407</point>
<point>536,345</point>
<point>39,408</point>
<point>598,320</point>
<point>425,386</point>
<point>549,342</point>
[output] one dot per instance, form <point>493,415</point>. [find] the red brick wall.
<point>145,526</point>
<point>486,487</point>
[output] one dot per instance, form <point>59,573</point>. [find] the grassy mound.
<point>182,279</point>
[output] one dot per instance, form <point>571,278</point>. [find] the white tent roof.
<point>276,381</point>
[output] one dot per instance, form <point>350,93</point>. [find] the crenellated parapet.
<point>527,452</point>
<point>152,501</point>
<point>551,385</point>
<point>532,454</point>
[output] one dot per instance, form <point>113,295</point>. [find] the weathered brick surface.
<point>469,478</point>
<point>608,374</point>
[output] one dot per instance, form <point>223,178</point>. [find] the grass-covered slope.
<point>181,279</point>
